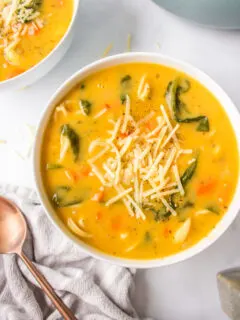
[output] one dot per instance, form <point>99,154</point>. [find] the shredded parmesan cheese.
<point>173,212</point>
<point>139,164</point>
<point>100,113</point>
<point>107,50</point>
<point>178,180</point>
<point>118,197</point>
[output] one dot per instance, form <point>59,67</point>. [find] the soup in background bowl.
<point>133,162</point>
<point>34,36</point>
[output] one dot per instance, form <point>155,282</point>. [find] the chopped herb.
<point>125,79</point>
<point>86,106</point>
<point>147,237</point>
<point>160,213</point>
<point>73,137</point>
<point>123,98</point>
<point>53,166</point>
<point>26,10</point>
<point>82,86</point>
<point>203,125</point>
<point>172,94</point>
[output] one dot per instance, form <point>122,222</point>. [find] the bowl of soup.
<point>136,160</point>
<point>35,34</point>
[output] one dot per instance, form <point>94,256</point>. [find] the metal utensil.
<point>229,292</point>
<point>13,230</point>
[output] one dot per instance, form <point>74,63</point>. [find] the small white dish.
<point>45,65</point>
<point>225,101</point>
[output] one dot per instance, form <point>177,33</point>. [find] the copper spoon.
<point>13,230</point>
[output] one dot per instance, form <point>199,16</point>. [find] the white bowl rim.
<point>135,57</point>
<point>51,53</point>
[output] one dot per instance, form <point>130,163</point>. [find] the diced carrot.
<point>60,3</point>
<point>206,187</point>
<point>14,73</point>
<point>150,124</point>
<point>72,174</point>
<point>166,232</point>
<point>85,170</point>
<point>33,31</point>
<point>99,215</point>
<point>98,196</point>
<point>116,224</point>
<point>123,135</point>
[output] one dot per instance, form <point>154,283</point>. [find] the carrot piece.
<point>99,215</point>
<point>123,135</point>
<point>72,174</point>
<point>166,232</point>
<point>98,197</point>
<point>206,187</point>
<point>14,73</point>
<point>85,170</point>
<point>60,3</point>
<point>150,125</point>
<point>116,224</point>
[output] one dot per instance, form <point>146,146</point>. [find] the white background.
<point>186,291</point>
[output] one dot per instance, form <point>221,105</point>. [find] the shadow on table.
<point>190,286</point>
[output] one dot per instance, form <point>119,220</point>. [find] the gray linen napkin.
<point>93,289</point>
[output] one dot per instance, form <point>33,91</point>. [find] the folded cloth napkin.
<point>94,290</point>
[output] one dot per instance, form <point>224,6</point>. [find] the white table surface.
<point>186,291</point>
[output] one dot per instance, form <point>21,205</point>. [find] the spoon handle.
<point>59,304</point>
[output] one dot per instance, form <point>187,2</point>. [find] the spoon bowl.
<point>13,228</point>
<point>13,231</point>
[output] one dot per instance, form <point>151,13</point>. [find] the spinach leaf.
<point>63,204</point>
<point>59,196</point>
<point>53,166</point>
<point>86,106</point>
<point>172,95</point>
<point>214,209</point>
<point>203,125</point>
<point>147,237</point>
<point>123,98</point>
<point>82,86</point>
<point>73,137</point>
<point>188,204</point>
<point>188,173</point>
<point>160,213</point>
<point>64,188</point>
<point>125,79</point>
<point>176,200</point>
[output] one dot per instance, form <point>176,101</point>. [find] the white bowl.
<point>45,65</point>
<point>225,101</point>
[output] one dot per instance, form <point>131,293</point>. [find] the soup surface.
<point>140,161</point>
<point>30,29</point>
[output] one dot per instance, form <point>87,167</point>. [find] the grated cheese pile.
<point>139,163</point>
<point>17,18</point>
